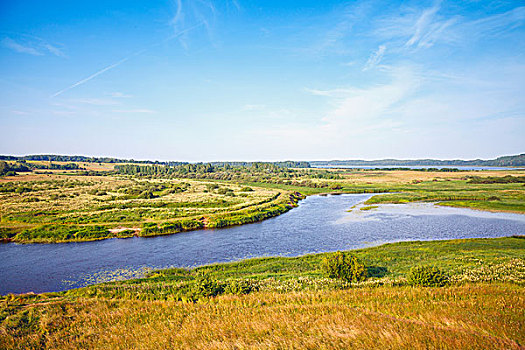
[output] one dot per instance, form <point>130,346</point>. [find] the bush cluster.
<point>427,276</point>
<point>344,266</point>
<point>205,287</point>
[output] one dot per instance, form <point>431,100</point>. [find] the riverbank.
<point>293,304</point>
<point>58,208</point>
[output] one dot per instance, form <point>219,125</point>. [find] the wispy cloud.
<point>423,28</point>
<point>203,12</point>
<point>427,29</point>
<point>356,108</point>
<point>375,58</point>
<point>118,63</point>
<point>497,24</point>
<point>118,94</point>
<point>30,44</point>
<point>328,93</point>
<point>418,28</point>
<point>135,111</point>
<point>54,50</point>
<point>13,45</point>
<point>95,101</point>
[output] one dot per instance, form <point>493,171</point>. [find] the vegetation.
<point>427,276</point>
<point>443,294</point>
<point>517,160</point>
<point>344,266</point>
<point>509,179</point>
<point>287,302</point>
<point>143,199</point>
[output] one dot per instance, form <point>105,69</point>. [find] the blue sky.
<point>210,80</point>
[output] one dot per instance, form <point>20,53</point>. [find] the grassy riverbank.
<point>293,306</point>
<point>55,207</point>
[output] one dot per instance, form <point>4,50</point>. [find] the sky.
<point>203,80</point>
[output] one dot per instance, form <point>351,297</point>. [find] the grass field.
<point>295,306</point>
<point>61,206</point>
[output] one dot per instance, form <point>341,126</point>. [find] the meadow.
<point>290,303</point>
<point>271,302</point>
<point>90,201</point>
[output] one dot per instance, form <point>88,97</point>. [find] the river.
<point>318,224</point>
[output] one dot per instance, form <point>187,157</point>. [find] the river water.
<point>319,224</point>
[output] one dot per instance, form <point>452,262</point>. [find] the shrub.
<point>239,287</point>
<point>205,286</point>
<point>427,276</point>
<point>344,266</point>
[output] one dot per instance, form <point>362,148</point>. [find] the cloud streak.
<point>30,44</point>
<point>118,63</point>
<point>92,76</point>
<point>15,46</point>
<point>375,58</point>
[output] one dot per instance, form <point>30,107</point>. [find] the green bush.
<point>344,266</point>
<point>427,276</point>
<point>238,287</point>
<point>205,286</point>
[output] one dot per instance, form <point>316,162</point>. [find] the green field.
<point>291,304</point>
<point>272,303</point>
<point>97,201</point>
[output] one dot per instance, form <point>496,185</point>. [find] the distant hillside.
<point>505,161</point>
<point>517,160</point>
<point>85,159</point>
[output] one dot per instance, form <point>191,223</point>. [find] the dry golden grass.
<point>404,176</point>
<point>482,316</point>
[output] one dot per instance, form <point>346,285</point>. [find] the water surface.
<point>462,168</point>
<point>319,224</point>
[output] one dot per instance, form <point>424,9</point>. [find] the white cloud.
<point>422,29</point>
<point>497,24</point>
<point>375,58</point>
<point>54,50</point>
<point>360,109</point>
<point>135,111</point>
<point>15,46</point>
<point>31,45</point>
<point>118,94</point>
<point>95,101</point>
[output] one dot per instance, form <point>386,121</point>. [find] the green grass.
<point>386,264</point>
<point>293,306</point>
<point>496,197</point>
<point>120,201</point>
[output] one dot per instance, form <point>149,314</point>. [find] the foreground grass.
<point>294,307</point>
<point>478,316</point>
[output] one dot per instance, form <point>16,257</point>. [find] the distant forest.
<point>505,161</point>
<point>517,160</point>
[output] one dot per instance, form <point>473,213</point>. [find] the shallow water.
<point>319,224</point>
